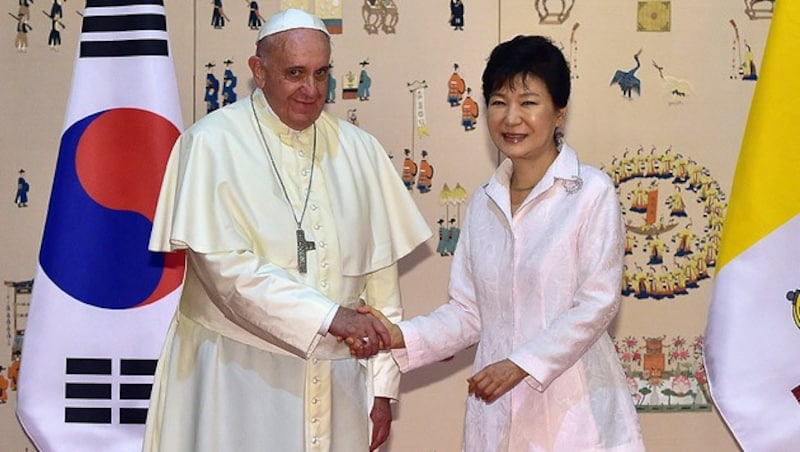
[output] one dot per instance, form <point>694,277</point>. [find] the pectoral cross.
<point>303,247</point>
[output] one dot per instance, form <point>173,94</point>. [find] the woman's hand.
<point>395,333</point>
<point>495,380</point>
<point>365,335</point>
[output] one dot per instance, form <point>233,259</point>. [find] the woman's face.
<point>522,119</point>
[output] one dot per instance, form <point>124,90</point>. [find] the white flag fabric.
<point>752,345</point>
<point>101,302</point>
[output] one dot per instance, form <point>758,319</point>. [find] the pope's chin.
<point>305,113</point>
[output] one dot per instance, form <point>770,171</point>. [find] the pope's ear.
<point>257,69</point>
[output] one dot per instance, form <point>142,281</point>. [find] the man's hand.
<point>381,417</point>
<point>395,333</point>
<point>495,380</point>
<point>365,334</point>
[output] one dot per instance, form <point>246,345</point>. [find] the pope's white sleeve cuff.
<point>323,330</point>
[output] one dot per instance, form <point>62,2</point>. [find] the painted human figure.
<point>218,16</point>
<point>254,18</point>
<point>424,182</point>
<point>364,82</point>
<point>627,281</point>
<point>25,7</point>
<point>13,370</point>
<point>684,239</point>
<point>457,14</point>
<point>212,90</point>
<point>455,88</point>
<point>409,170</point>
<point>353,118</point>
<point>630,242</point>
<point>229,82</point>
<point>442,247</point>
<point>469,112</point>
<point>656,251</point>
<point>21,40</point>
<point>676,204</point>
<point>56,10</point>
<point>54,38</point>
<point>3,387</point>
<point>21,199</point>
<point>748,67</point>
<point>453,232</point>
<point>330,97</point>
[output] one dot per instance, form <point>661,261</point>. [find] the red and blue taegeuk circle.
<point>107,179</point>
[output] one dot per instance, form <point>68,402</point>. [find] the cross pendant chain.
<point>303,247</point>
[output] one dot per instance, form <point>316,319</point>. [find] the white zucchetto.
<point>290,19</point>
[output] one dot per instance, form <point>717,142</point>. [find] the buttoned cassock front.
<point>244,367</point>
<point>539,288</point>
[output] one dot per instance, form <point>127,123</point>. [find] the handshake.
<point>366,331</point>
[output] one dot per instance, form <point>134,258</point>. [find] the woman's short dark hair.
<point>528,56</point>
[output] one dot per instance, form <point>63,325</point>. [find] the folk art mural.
<point>672,195</point>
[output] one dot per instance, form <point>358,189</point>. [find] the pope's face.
<point>292,71</point>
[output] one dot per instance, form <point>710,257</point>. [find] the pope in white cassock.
<point>289,218</point>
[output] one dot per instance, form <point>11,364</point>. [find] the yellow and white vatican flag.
<point>101,302</point>
<point>752,348</point>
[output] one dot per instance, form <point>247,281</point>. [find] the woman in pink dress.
<point>535,279</point>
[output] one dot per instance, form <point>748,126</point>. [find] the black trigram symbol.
<point>90,390</point>
<point>103,35</point>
